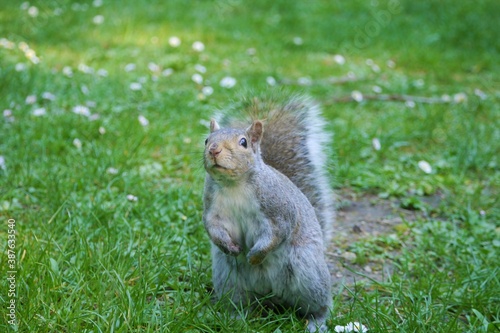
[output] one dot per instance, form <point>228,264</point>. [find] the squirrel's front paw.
<point>233,249</point>
<point>228,248</point>
<point>256,257</point>
<point>224,242</point>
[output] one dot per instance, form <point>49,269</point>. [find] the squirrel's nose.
<point>214,150</point>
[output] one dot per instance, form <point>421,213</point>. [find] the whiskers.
<point>199,166</point>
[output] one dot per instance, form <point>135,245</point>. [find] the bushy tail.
<point>295,143</point>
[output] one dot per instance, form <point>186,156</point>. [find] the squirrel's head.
<point>231,153</point>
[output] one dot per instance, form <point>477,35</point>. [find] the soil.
<point>365,216</point>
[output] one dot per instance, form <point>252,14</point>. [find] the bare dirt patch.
<point>364,216</point>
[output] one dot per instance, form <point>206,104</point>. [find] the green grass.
<point>89,259</point>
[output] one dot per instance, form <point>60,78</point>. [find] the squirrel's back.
<point>295,143</point>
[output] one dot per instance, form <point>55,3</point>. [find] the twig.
<point>393,97</point>
<point>309,82</point>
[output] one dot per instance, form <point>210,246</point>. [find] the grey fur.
<point>266,238</point>
<point>295,143</point>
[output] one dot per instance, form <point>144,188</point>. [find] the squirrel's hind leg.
<point>307,287</point>
<point>317,323</point>
<point>229,284</point>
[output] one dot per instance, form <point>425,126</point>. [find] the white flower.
<point>143,120</point>
<point>298,40</point>
<point>200,68</point>
<point>339,59</point>
<point>340,329</point>
<point>98,19</point>
<point>375,68</point>
<point>25,5</point>
<point>102,72</point>
<point>7,113</point>
<point>252,51</point>
<point>131,197</point>
<point>479,93</point>
<point>94,116</point>
<point>207,91</point>
<point>391,64</point>
<point>129,67</point>
<point>2,163</point>
<point>85,90</point>
<point>373,65</point>
<point>446,98</point>
<point>31,99</point>
<point>81,110</point>
<point>112,171</point>
<point>67,71</point>
<point>48,96</point>
<point>102,130</point>
<point>198,46</point>
<point>351,327</point>
<point>33,11</point>
<point>376,144</point>
<point>153,67</point>
<point>271,81</point>
<point>150,169</point>
<point>377,89</point>
<point>227,82</point>
<point>304,81</point>
<point>20,67</point>
<point>167,72</point>
<point>174,41</point>
<point>85,69</point>
<point>97,3</point>
<point>410,104</point>
<point>135,86</point>
<point>77,143</point>
<point>460,98</point>
<point>31,55</point>
<point>357,96</point>
<point>197,78</point>
<point>425,166</point>
<point>5,43</point>
<point>23,46</point>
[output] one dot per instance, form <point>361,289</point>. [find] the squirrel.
<point>268,207</point>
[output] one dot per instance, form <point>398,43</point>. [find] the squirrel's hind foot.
<point>317,323</point>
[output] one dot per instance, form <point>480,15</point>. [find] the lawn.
<point>104,111</point>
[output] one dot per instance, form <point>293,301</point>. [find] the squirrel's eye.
<point>243,142</point>
<point>206,141</point>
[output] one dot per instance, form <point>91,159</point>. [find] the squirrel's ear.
<point>214,126</point>
<point>255,131</point>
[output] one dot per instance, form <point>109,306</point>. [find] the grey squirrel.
<point>268,207</point>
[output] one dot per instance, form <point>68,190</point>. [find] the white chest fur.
<point>240,210</point>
